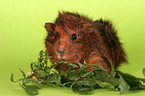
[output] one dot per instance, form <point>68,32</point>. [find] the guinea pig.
<point>75,38</point>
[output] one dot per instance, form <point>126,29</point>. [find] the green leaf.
<point>82,89</point>
<point>40,73</point>
<point>53,79</point>
<point>30,89</point>
<point>42,65</point>
<point>73,75</point>
<point>87,74</point>
<point>111,79</point>
<point>46,54</point>
<point>97,67</point>
<point>47,69</point>
<point>143,71</point>
<point>34,66</point>
<point>134,82</point>
<point>80,65</point>
<point>87,81</point>
<point>12,78</point>
<point>104,84</point>
<point>112,69</point>
<point>32,80</point>
<point>124,87</point>
<point>23,74</point>
<point>100,75</point>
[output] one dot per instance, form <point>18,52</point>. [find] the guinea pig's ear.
<point>49,27</point>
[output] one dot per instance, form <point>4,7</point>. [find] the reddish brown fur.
<point>96,41</point>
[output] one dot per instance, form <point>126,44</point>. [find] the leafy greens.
<point>83,82</point>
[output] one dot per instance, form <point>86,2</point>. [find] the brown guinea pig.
<point>75,38</point>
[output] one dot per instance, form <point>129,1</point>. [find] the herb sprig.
<point>83,82</point>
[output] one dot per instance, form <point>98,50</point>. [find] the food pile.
<point>83,82</point>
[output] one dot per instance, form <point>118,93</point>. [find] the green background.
<point>22,36</point>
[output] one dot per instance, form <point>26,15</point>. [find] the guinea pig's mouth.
<point>60,56</point>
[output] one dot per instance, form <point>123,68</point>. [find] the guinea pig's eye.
<point>74,36</point>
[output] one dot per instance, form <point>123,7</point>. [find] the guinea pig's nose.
<point>61,50</point>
